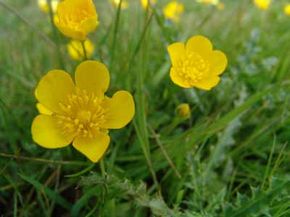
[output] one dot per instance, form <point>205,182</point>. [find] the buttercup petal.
<point>43,110</point>
<point>92,148</point>
<point>208,84</point>
<point>92,76</point>
<point>219,62</point>
<point>120,109</point>
<point>46,133</point>
<point>176,51</point>
<point>54,88</point>
<point>199,44</point>
<point>178,80</point>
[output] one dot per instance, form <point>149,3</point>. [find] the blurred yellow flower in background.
<point>262,4</point>
<point>173,10</point>
<point>196,64</point>
<point>76,18</point>
<point>146,3</point>
<point>183,110</point>
<point>221,6</point>
<point>212,2</point>
<point>80,113</point>
<point>43,5</point>
<point>287,9</point>
<point>124,4</point>
<point>76,50</point>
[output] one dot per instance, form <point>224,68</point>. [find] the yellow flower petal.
<point>200,45</point>
<point>209,83</point>
<point>178,80</point>
<point>47,134</point>
<point>176,51</point>
<point>43,110</point>
<point>219,62</point>
<point>92,76</point>
<point>120,110</point>
<point>53,89</point>
<point>92,148</point>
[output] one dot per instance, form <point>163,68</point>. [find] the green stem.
<point>103,169</point>
<point>55,36</point>
<point>84,50</point>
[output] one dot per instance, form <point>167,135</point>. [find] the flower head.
<point>80,113</point>
<point>76,51</point>
<point>196,64</point>
<point>287,9</point>
<point>146,3</point>
<point>124,4</point>
<point>262,4</point>
<point>76,18</point>
<point>183,110</point>
<point>173,10</point>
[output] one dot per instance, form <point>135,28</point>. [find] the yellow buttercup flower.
<point>124,4</point>
<point>146,3</point>
<point>173,10</point>
<point>76,51</point>
<point>196,64</point>
<point>287,9</point>
<point>43,5</point>
<point>80,113</point>
<point>262,4</point>
<point>76,18</point>
<point>183,110</point>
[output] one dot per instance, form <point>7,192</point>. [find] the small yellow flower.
<point>212,2</point>
<point>196,64</point>
<point>183,110</point>
<point>76,51</point>
<point>124,4</point>
<point>146,3</point>
<point>262,4</point>
<point>76,18</point>
<point>80,113</point>
<point>43,5</point>
<point>173,10</point>
<point>287,9</point>
<point>221,6</point>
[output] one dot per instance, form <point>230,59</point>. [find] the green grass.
<point>230,159</point>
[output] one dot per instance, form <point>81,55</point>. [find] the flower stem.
<point>84,50</point>
<point>102,166</point>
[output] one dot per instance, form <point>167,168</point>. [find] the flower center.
<point>192,68</point>
<point>82,114</point>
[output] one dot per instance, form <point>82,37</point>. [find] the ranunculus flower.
<point>80,113</point>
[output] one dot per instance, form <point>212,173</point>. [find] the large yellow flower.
<point>80,113</point>
<point>262,4</point>
<point>76,18</point>
<point>76,50</point>
<point>173,10</point>
<point>196,64</point>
